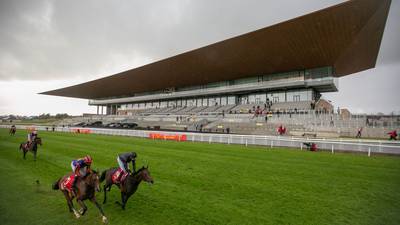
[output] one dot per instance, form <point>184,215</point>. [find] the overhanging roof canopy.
<point>346,36</point>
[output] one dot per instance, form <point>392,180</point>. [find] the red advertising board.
<point>81,131</point>
<point>174,137</point>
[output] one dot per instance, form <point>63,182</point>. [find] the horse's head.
<point>92,179</point>
<point>38,140</point>
<point>144,173</point>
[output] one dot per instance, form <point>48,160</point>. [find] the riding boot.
<point>74,188</point>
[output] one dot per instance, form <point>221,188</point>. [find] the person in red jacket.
<point>393,135</point>
<point>80,167</point>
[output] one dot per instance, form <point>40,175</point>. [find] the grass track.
<point>200,183</point>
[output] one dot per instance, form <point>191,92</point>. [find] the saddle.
<point>119,176</point>
<point>66,183</point>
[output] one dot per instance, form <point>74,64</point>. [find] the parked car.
<point>96,124</point>
<point>114,125</point>
<point>82,124</point>
<point>129,125</point>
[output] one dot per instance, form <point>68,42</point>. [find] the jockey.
<point>32,136</point>
<point>123,160</point>
<point>80,167</point>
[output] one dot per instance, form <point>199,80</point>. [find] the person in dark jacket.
<point>123,160</point>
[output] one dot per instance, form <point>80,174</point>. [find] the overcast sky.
<point>45,45</point>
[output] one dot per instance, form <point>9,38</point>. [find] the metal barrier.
<point>363,145</point>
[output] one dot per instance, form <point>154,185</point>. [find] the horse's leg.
<point>123,200</point>
<point>34,154</point>
<point>104,218</point>
<point>83,206</point>
<point>68,201</point>
<point>24,153</point>
<point>105,193</point>
<point>70,204</point>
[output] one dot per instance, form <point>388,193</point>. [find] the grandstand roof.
<point>346,36</point>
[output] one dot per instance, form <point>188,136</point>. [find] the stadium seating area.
<point>235,109</point>
<point>298,118</point>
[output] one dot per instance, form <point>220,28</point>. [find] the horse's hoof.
<point>104,219</point>
<point>77,215</point>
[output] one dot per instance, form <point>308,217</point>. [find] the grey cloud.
<point>57,39</point>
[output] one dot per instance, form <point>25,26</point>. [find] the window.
<point>244,100</point>
<point>296,98</point>
<point>191,102</point>
<point>231,100</point>
<point>171,104</point>
<point>163,104</point>
<point>252,99</point>
<point>224,100</point>
<point>205,102</point>
<point>275,99</point>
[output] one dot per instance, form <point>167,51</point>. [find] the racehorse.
<point>129,186</point>
<point>86,188</point>
<point>13,130</point>
<point>25,147</point>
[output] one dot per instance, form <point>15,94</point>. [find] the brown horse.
<point>25,147</point>
<point>86,187</point>
<point>13,129</point>
<point>128,186</point>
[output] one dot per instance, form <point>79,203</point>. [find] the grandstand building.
<point>284,67</point>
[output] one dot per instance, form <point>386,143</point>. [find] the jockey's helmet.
<point>87,159</point>
<point>34,132</point>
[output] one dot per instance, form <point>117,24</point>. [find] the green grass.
<point>200,183</point>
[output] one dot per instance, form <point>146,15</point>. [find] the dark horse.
<point>32,147</point>
<point>129,185</point>
<point>13,129</point>
<point>86,187</point>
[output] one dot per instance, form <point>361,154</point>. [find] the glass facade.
<point>255,97</point>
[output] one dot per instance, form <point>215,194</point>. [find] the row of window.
<point>257,98</point>
<point>300,74</point>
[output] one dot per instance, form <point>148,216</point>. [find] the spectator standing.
<point>359,132</point>
<point>393,135</point>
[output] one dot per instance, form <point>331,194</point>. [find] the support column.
<point>97,110</point>
<point>102,107</point>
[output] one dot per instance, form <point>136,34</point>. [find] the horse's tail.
<point>20,146</point>
<point>103,175</point>
<point>55,186</point>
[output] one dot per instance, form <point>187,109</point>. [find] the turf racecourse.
<point>200,183</point>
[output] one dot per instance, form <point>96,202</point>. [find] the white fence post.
<point>369,151</point>
<point>246,142</point>
<point>332,149</point>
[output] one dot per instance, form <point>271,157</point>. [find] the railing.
<point>333,145</point>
